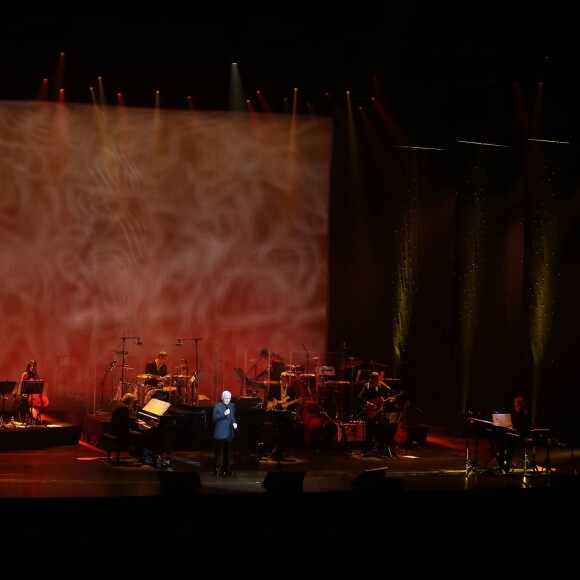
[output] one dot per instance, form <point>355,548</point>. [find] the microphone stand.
<point>110,368</point>
<point>137,340</point>
<point>194,390</point>
<point>183,395</point>
<point>307,377</point>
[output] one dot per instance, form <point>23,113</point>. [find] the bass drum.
<point>156,394</point>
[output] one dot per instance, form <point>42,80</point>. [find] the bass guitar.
<point>376,406</point>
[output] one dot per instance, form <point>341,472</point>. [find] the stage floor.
<point>443,463</point>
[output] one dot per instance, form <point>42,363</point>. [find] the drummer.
<point>156,368</point>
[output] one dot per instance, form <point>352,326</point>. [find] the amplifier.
<point>354,431</point>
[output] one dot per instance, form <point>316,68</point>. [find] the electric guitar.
<point>284,403</point>
<point>375,406</point>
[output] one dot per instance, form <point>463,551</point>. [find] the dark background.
<point>487,74</point>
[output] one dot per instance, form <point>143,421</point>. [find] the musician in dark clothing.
<point>30,374</point>
<point>283,404</point>
<point>522,425</point>
<point>281,393</point>
<point>125,425</point>
<point>157,368</point>
<point>374,396</point>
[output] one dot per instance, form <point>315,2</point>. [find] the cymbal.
<point>180,376</point>
<point>318,358</point>
<point>170,388</point>
<point>203,398</point>
<point>149,377</point>
<point>127,367</point>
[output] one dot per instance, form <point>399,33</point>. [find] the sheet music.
<point>156,406</point>
<point>502,420</point>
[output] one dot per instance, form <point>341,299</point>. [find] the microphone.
<point>139,343</point>
<point>179,343</point>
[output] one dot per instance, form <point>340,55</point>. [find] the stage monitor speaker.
<point>284,481</point>
<point>376,480</point>
<point>178,482</point>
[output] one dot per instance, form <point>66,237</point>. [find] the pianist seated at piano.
<point>131,431</point>
<point>521,426</point>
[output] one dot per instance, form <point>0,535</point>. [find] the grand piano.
<point>165,426</point>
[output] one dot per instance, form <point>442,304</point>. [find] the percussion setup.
<point>171,388</point>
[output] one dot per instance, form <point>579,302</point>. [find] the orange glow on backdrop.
<point>159,224</point>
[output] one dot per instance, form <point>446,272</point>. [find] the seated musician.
<point>125,425</point>
<point>375,396</point>
<point>522,425</point>
<point>156,368</point>
<point>29,404</point>
<point>283,395</point>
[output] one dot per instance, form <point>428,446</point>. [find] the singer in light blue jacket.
<point>224,418</point>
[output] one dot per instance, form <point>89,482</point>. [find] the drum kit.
<point>170,388</point>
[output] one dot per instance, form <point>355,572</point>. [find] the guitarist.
<point>280,394</point>
<point>286,420</point>
<point>374,396</point>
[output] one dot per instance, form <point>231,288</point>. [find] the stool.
<point>113,443</point>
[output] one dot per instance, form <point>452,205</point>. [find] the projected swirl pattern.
<point>159,224</point>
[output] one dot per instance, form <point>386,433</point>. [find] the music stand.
<point>31,388</point>
<point>5,388</point>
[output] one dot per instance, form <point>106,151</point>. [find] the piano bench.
<point>114,443</point>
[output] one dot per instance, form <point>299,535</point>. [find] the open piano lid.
<point>155,408</point>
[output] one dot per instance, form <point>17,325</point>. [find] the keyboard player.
<point>126,425</point>
<point>521,426</point>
